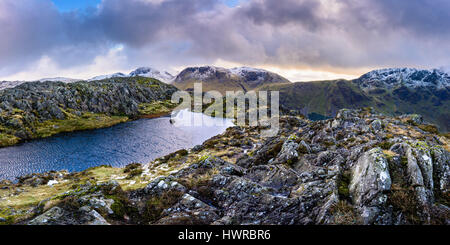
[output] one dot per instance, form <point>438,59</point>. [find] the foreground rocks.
<point>357,168</point>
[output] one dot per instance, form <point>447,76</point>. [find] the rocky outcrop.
<point>27,107</point>
<point>357,168</point>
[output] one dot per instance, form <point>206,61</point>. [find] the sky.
<point>303,40</point>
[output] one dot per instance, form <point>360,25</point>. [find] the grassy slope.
<point>322,97</point>
<point>216,85</point>
<point>326,97</point>
<point>422,101</point>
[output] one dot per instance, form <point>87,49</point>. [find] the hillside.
<point>357,168</point>
<point>321,99</point>
<point>391,91</point>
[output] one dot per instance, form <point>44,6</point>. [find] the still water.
<point>138,141</point>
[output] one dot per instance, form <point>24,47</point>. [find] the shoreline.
<point>147,116</point>
<point>111,123</point>
<point>155,115</point>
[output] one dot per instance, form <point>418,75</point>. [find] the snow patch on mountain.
<point>241,71</point>
<point>409,77</point>
<point>60,79</point>
<point>203,73</point>
<point>12,84</point>
<point>153,73</point>
<point>101,77</point>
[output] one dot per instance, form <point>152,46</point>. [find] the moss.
<point>293,137</point>
<point>429,128</point>
<point>411,122</point>
<point>131,167</point>
<point>389,136</point>
<point>7,216</point>
<point>385,145</point>
<point>203,158</point>
<point>174,157</point>
<point>121,206</point>
<point>150,82</point>
<point>8,140</point>
<point>156,107</point>
<point>343,183</point>
<point>117,207</point>
<point>404,160</point>
<point>211,143</point>
<point>87,121</point>
<point>328,143</point>
<point>135,172</point>
<point>156,204</point>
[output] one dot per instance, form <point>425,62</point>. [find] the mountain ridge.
<point>223,79</point>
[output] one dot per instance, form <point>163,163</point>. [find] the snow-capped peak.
<point>12,84</point>
<point>59,79</point>
<point>101,77</point>
<point>242,70</point>
<point>153,73</point>
<point>202,73</point>
<point>409,77</point>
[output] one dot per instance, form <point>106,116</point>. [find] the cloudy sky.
<point>300,39</point>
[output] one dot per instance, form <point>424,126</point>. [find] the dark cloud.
<point>300,12</point>
<point>342,34</point>
<point>421,17</point>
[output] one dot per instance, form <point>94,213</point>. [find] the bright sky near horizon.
<point>302,40</point>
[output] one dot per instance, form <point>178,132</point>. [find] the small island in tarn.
<point>41,109</point>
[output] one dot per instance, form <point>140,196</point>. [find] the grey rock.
<point>370,179</point>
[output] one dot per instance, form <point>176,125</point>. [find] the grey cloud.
<point>180,32</point>
<point>423,17</point>
<point>300,12</point>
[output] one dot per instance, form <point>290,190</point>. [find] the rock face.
<point>370,182</point>
<point>409,77</point>
<point>344,170</point>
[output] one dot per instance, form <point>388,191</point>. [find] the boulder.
<point>370,180</point>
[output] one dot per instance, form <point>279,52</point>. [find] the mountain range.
<point>393,91</point>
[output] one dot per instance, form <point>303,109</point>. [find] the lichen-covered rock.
<point>59,216</point>
<point>288,153</point>
<point>370,181</point>
<point>441,168</point>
